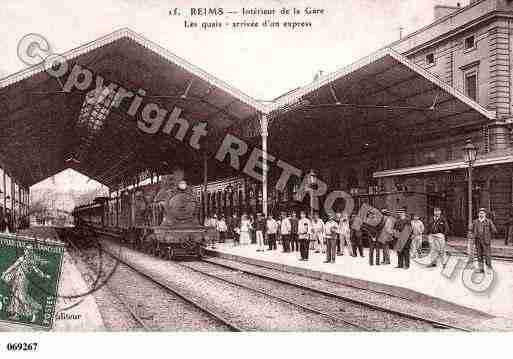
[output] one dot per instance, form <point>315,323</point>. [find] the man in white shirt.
<point>304,230</point>
<point>285,227</point>
<point>222,228</point>
<point>345,234</point>
<point>331,232</point>
<point>272,230</point>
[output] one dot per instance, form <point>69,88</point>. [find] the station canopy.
<point>45,129</point>
<point>378,102</point>
<point>375,104</point>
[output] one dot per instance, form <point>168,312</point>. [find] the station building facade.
<point>469,50</point>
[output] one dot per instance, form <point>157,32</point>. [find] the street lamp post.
<point>312,179</point>
<point>470,152</point>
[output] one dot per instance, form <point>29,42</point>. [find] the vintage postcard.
<point>270,166</point>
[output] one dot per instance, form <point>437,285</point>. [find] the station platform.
<point>499,249</point>
<point>76,314</point>
<point>427,284</point>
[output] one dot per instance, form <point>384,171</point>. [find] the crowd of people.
<point>341,234</point>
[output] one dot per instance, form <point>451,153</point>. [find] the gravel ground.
<point>470,320</point>
<point>249,310</point>
<point>360,315</point>
<point>115,315</point>
<point>156,307</point>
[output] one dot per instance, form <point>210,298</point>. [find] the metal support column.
<point>264,132</point>
<point>205,184</point>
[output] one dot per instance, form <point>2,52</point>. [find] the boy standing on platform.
<point>304,230</point>
<point>272,230</point>
<point>331,233</point>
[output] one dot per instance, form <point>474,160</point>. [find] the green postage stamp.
<point>30,271</point>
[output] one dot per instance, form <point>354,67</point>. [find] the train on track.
<point>161,219</point>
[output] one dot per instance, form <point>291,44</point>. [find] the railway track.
<point>135,316</point>
<point>196,302</point>
<point>343,299</point>
<point>256,271</point>
<point>407,320</point>
<point>284,299</point>
<point>147,324</point>
<point>226,319</point>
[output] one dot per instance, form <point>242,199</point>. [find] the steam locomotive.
<point>161,219</point>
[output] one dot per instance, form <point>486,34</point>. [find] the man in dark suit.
<point>437,230</point>
<point>483,230</point>
<point>233,223</point>
<point>356,238</point>
<point>385,235</point>
<point>331,233</point>
<point>294,242</point>
<point>402,231</point>
<point>509,231</point>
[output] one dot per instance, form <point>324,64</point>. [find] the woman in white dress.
<point>245,230</point>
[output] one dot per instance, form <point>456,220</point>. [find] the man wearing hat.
<point>271,230</point>
<point>385,236</point>
<point>260,225</point>
<point>509,231</point>
<point>304,230</point>
<point>437,231</point>
<point>344,235</point>
<point>285,228</point>
<point>356,237</point>
<point>294,242</point>
<point>331,233</point>
<point>483,230</point>
<point>402,231</point>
